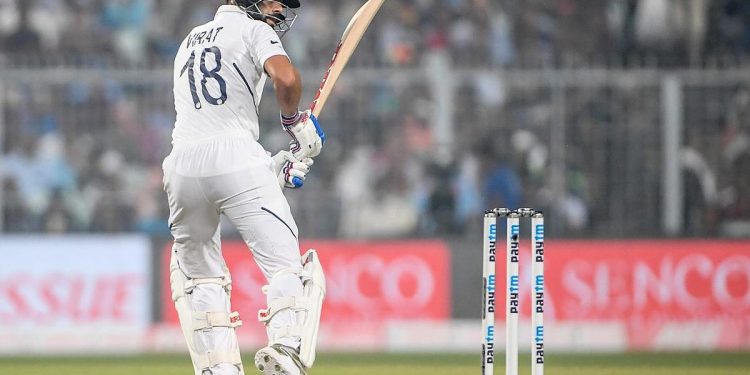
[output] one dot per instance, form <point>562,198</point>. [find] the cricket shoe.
<point>278,359</point>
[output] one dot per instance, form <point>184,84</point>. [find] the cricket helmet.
<point>282,21</point>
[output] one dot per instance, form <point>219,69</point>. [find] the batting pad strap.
<point>211,359</point>
<point>225,282</point>
<point>281,304</point>
<point>207,320</point>
<point>291,331</point>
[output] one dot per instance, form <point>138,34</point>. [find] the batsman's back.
<point>218,76</point>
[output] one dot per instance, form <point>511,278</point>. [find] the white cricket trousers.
<point>234,177</point>
<point>246,191</point>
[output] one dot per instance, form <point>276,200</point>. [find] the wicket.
<point>513,218</point>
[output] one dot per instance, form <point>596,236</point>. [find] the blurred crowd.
<point>84,154</point>
<point>534,33</point>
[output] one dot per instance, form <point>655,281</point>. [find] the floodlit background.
<point>626,121</point>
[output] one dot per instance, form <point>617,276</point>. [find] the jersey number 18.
<point>207,74</point>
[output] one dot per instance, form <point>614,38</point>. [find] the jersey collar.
<point>229,9</point>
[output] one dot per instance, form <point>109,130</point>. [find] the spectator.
<point>128,19</point>
<point>24,40</point>
<point>736,197</point>
<point>502,187</point>
<point>441,209</point>
<point>103,134</point>
<point>15,216</point>
<point>57,218</point>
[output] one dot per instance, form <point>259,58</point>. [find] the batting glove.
<point>307,135</point>
<point>291,172</point>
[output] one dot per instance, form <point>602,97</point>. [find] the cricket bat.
<point>348,43</point>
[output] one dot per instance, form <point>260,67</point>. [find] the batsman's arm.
<point>287,83</point>
<point>307,136</point>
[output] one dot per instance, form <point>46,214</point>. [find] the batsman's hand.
<point>290,171</point>
<point>307,135</point>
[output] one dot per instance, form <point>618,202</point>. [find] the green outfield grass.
<point>402,364</point>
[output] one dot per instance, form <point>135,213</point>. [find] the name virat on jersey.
<point>202,37</point>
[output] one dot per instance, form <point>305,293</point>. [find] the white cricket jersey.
<point>219,77</point>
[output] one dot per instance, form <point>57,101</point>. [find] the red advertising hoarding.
<point>651,288</point>
<point>599,295</point>
<point>368,283</point>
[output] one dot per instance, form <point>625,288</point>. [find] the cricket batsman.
<point>217,166</point>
